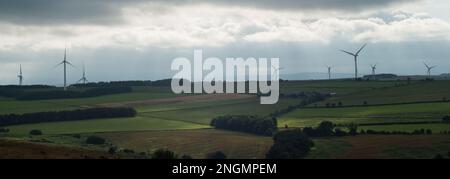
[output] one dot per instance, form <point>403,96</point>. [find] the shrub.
<point>290,144</point>
<point>95,140</point>
<point>81,114</point>
<point>216,155</point>
<point>446,119</point>
<point>164,154</point>
<point>35,132</point>
<point>128,151</point>
<point>186,157</point>
<point>4,130</point>
<point>112,150</point>
<point>251,124</point>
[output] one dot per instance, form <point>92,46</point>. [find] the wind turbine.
<point>329,72</point>
<point>83,79</point>
<point>277,70</point>
<point>429,68</point>
<point>355,55</point>
<point>374,67</point>
<point>64,63</point>
<point>20,76</point>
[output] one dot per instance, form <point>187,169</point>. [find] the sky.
<point>138,39</point>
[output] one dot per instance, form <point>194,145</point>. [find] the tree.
<point>95,140</point>
<point>353,129</point>
<point>164,154</point>
<point>35,132</point>
<point>325,129</point>
<point>446,119</point>
<point>216,155</point>
<point>290,144</point>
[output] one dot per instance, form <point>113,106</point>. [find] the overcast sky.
<point>138,39</point>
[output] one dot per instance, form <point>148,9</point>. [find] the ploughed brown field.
<point>14,149</point>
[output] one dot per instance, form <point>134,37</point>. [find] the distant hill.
<point>381,76</point>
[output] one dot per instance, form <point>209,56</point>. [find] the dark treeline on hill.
<point>250,124</point>
<point>81,114</point>
<point>20,94</point>
<point>161,83</point>
<point>306,99</point>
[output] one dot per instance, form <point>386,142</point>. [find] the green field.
<point>436,128</point>
<point>414,92</point>
<point>103,125</point>
<point>196,143</point>
<point>204,114</point>
<point>426,112</point>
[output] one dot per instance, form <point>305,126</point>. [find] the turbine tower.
<point>83,79</point>
<point>329,72</point>
<point>355,55</point>
<point>64,63</point>
<point>429,68</point>
<point>277,70</point>
<point>374,67</point>
<point>20,76</point>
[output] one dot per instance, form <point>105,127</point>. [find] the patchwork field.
<point>196,143</point>
<point>181,122</point>
<point>423,112</point>
<point>381,147</point>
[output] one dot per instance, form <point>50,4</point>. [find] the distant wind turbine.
<point>374,68</point>
<point>429,68</point>
<point>355,55</point>
<point>83,79</point>
<point>20,76</point>
<point>329,72</point>
<point>64,63</point>
<point>277,70</point>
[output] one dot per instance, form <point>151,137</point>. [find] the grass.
<point>203,113</point>
<point>436,128</point>
<point>8,106</point>
<point>381,147</point>
<point>415,92</point>
<point>370,114</point>
<point>196,143</point>
<point>103,125</point>
<point>341,87</point>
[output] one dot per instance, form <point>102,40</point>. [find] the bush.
<point>95,140</point>
<point>112,150</point>
<point>251,124</point>
<point>446,119</point>
<point>186,157</point>
<point>164,154</point>
<point>290,144</point>
<point>216,155</point>
<point>81,114</point>
<point>4,130</point>
<point>128,151</point>
<point>35,132</point>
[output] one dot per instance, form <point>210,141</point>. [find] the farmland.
<point>181,122</point>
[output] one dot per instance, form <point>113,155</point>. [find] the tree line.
<point>20,94</point>
<point>80,114</point>
<point>251,124</point>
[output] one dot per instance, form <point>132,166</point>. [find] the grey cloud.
<point>309,4</point>
<point>109,11</point>
<point>62,11</point>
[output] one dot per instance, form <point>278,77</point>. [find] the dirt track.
<point>193,98</point>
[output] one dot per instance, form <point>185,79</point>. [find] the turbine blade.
<point>350,53</point>
<point>71,64</point>
<point>426,65</point>
<point>58,65</point>
<point>359,51</point>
